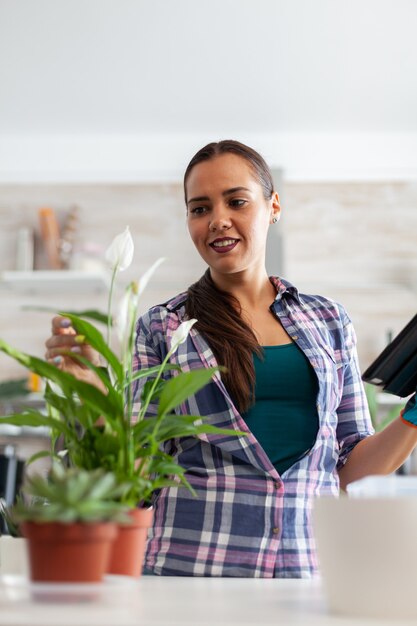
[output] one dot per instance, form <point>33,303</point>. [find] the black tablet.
<point>395,369</point>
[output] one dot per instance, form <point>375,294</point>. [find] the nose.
<point>219,220</point>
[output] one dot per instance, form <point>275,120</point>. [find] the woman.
<point>292,384</point>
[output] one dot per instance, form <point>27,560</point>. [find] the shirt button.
<point>294,337</point>
<point>318,407</point>
<point>277,485</point>
<point>275,530</point>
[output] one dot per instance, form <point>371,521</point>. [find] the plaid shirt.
<point>246,519</point>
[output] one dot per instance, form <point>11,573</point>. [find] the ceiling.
<point>212,68</point>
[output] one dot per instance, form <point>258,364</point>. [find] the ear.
<point>275,207</point>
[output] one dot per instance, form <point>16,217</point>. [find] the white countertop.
<point>172,601</point>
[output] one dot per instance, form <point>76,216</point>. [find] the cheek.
<point>259,228</point>
<point>194,231</point>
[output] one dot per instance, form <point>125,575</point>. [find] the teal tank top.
<point>284,417</point>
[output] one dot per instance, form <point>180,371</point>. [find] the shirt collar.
<point>283,286</point>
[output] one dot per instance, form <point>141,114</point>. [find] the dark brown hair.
<point>258,165</point>
<point>218,312</point>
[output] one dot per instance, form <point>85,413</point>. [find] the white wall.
<point>354,242</point>
<point>144,158</point>
<point>103,90</point>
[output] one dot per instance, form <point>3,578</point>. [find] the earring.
<point>274,220</point>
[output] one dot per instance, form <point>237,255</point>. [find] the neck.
<point>249,287</point>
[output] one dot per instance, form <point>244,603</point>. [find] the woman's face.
<point>228,216</point>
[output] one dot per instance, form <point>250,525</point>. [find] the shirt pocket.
<point>334,367</point>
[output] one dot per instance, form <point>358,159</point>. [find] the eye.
<point>237,203</point>
<point>198,210</point>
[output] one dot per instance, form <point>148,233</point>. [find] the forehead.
<point>222,172</point>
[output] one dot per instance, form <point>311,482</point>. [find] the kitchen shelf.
<point>44,281</point>
<point>7,431</point>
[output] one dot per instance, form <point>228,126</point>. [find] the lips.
<point>224,244</point>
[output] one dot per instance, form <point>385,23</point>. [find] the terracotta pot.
<point>69,552</point>
<point>129,548</point>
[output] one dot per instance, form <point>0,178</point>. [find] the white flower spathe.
<point>128,301</point>
<point>145,278</point>
<point>119,254</point>
<point>180,335</point>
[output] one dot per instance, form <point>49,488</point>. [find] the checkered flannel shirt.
<point>246,519</point>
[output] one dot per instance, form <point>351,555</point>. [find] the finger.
<point>58,361</point>
<point>62,326</point>
<point>55,352</point>
<point>61,341</point>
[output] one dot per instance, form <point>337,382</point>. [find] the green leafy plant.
<point>96,424</point>
<point>70,495</point>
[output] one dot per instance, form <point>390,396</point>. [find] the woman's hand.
<point>64,339</point>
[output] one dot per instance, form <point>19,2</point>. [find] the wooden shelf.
<point>44,281</point>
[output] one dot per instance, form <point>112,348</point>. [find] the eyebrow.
<point>224,193</point>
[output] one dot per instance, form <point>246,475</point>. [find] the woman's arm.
<point>363,452</point>
<point>381,453</point>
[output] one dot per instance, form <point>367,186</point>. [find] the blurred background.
<point>104,102</point>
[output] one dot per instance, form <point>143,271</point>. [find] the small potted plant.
<point>96,424</point>
<point>69,520</point>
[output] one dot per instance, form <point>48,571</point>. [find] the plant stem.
<point>129,372</point>
<point>109,318</point>
<point>144,408</point>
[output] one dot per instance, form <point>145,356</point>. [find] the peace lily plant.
<point>97,425</point>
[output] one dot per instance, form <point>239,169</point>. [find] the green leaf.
<point>78,487</point>
<point>174,426</point>
<point>38,455</point>
<point>102,375</point>
<point>62,404</point>
<point>109,405</point>
<point>181,387</point>
<point>96,341</point>
<point>72,494</point>
<point>147,388</point>
<point>102,486</point>
<point>36,365</point>
<point>33,418</point>
<point>153,370</point>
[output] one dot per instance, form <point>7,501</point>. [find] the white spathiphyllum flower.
<point>143,280</point>
<point>129,302</point>
<point>119,254</point>
<point>180,335</point>
<point>126,316</point>
<point>122,318</point>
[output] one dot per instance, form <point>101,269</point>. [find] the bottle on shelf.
<point>50,236</point>
<point>24,250</point>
